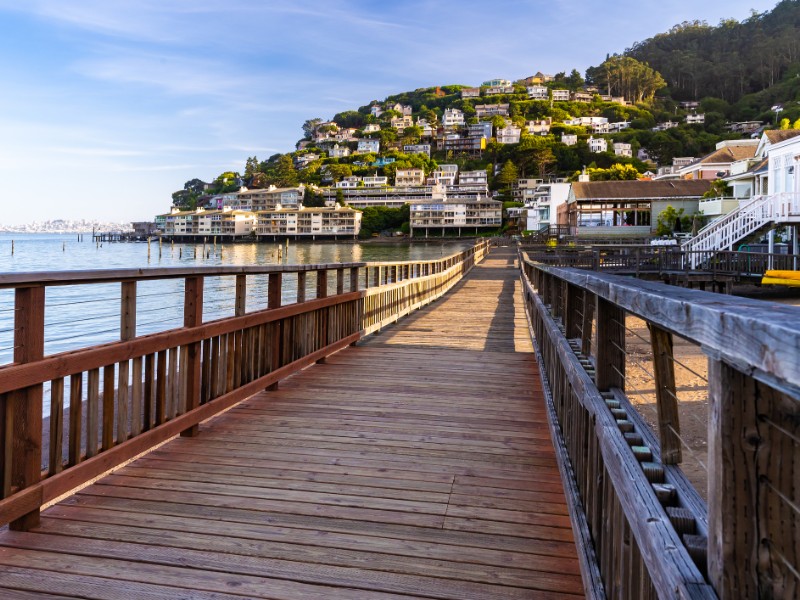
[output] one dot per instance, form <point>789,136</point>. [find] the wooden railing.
<point>664,259</point>
<point>111,402</point>
<point>650,531</point>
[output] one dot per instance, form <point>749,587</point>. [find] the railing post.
<point>610,353</point>
<point>23,439</point>
<point>301,286</point>
<point>192,317</point>
<point>752,491</point>
<point>274,288</point>
<point>354,279</point>
<point>339,281</point>
<point>666,395</point>
<point>127,331</point>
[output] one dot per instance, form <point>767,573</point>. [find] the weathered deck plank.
<point>418,464</point>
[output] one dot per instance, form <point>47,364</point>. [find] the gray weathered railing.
<point>663,259</point>
<point>111,402</point>
<point>652,534</point>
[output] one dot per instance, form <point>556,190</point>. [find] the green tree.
<point>627,77</point>
<point>670,220</point>
<point>310,126</point>
<point>507,176</point>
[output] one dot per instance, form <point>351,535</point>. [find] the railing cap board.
<point>757,337</point>
<point>53,278</point>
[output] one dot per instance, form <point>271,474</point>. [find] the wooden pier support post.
<point>192,317</point>
<point>22,438</point>
<point>610,353</point>
<point>666,395</point>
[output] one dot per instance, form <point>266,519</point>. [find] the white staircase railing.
<point>751,216</point>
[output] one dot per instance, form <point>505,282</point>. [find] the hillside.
<point>674,95</point>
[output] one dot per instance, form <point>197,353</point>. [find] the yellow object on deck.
<point>791,278</point>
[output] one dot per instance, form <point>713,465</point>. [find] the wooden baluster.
<point>75,417</point>
<point>322,321</point>
<point>137,389</point>
<point>589,302</point>
<point>92,411</point>
<point>666,395</point>
<point>354,279</point>
<point>109,383</point>
<point>127,331</point>
<point>610,353</point>
<point>161,388</point>
<point>55,461</point>
<point>193,317</point>
<point>149,383</point>
<point>23,423</point>
<point>274,300</point>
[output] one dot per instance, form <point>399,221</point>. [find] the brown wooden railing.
<point>125,397</point>
<point>650,531</point>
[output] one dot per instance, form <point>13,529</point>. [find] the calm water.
<point>80,316</point>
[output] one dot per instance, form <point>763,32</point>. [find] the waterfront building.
<point>389,196</point>
<point>375,181</point>
<point>458,215</point>
<point>337,221</point>
<point>610,209</point>
<point>202,223</point>
<point>263,199</point>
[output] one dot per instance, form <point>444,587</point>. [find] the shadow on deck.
<point>417,464</point>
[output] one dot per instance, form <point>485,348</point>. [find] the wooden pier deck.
<point>417,464</point>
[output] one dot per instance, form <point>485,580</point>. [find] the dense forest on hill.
<point>731,60</point>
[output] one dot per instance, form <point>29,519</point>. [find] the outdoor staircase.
<point>751,215</point>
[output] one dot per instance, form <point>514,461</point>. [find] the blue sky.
<point>106,108</point>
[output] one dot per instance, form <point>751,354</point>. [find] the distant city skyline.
<point>107,108</point>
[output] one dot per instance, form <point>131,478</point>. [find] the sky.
<point>106,108</point>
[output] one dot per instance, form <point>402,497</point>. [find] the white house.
<point>539,127</point>
<point>375,110</point>
<point>452,117</point>
<point>598,144</point>
<point>371,128</point>
<point>339,151</point>
<point>538,92</point>
<point>417,149</point>
<point>509,134</point>
<point>375,181</point>
<point>471,92</point>
<point>569,139</point>
<point>369,146</point>
<point>622,149</point>
<point>560,95</point>
<point>695,119</point>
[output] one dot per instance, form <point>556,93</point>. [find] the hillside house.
<point>538,92</point>
<point>471,92</point>
<point>597,145</point>
<point>560,95</point>
<point>509,134</point>
<point>452,118</point>
<point>369,146</point>
<point>491,110</point>
<point>718,163</point>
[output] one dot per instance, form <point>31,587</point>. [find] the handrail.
<point>745,544</point>
<point>122,398</point>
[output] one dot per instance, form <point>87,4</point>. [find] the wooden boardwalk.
<point>418,464</point>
